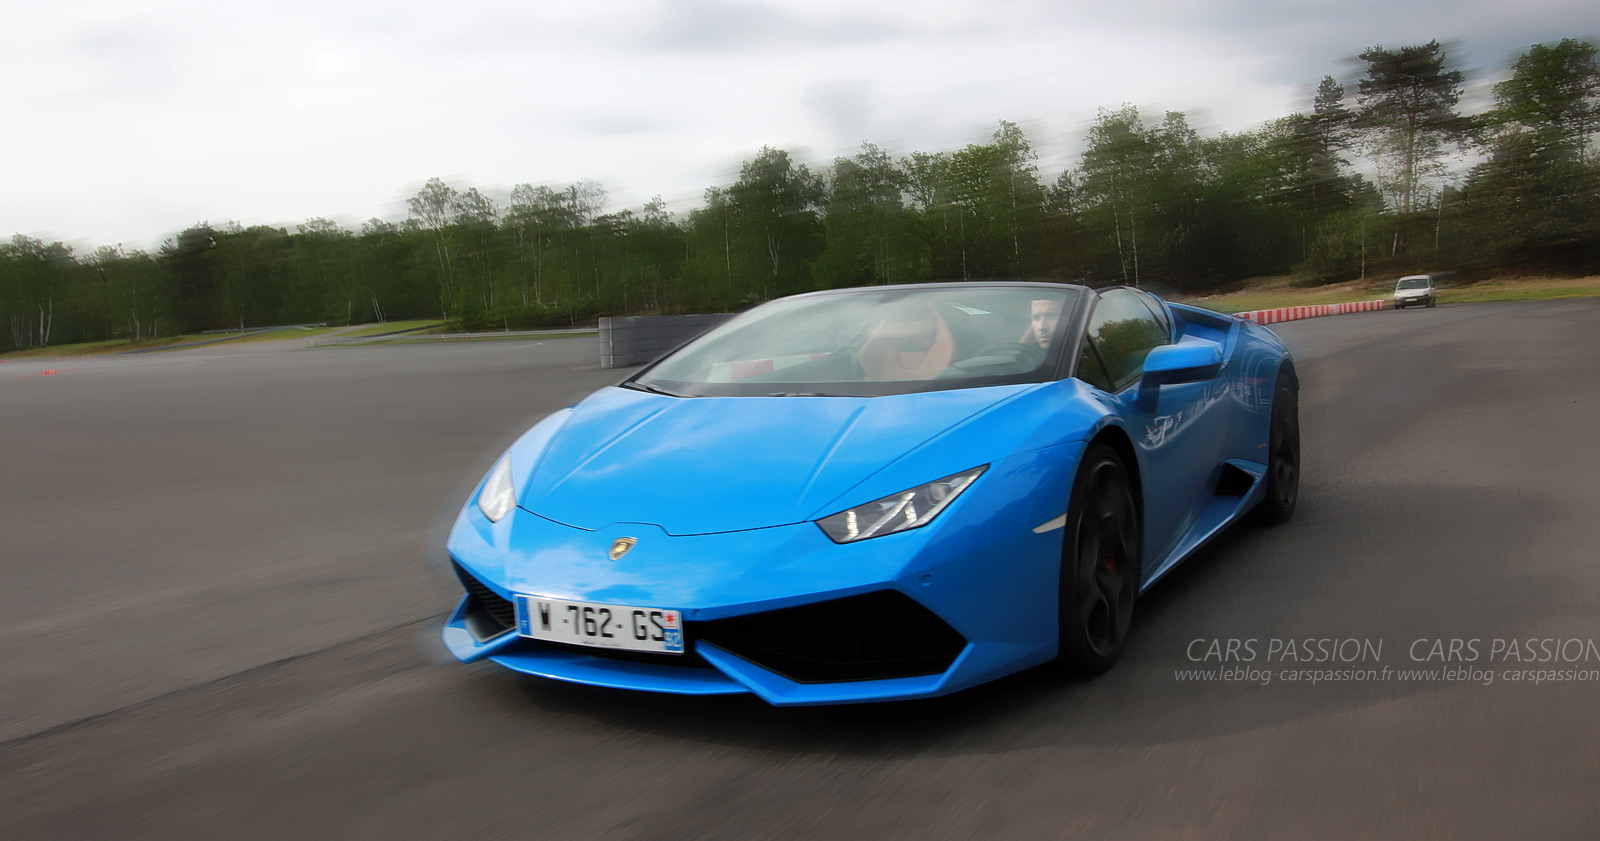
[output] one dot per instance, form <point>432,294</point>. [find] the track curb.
<point>1273,316</point>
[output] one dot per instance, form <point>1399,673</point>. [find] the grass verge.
<point>285,333</point>
<point>1522,289</point>
<point>101,348</point>
<point>392,327</point>
<point>421,339</point>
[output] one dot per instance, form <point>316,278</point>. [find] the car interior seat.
<point>914,344</point>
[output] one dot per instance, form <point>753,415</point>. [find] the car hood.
<point>718,464</point>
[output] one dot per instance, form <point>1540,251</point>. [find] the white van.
<point>1415,290</point>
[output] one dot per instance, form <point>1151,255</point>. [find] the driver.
<point>1042,323</point>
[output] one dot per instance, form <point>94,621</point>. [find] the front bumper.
<point>783,612</point>
<point>709,669</point>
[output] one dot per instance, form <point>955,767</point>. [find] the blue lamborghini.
<point>871,494</point>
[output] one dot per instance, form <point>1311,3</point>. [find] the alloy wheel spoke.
<point>1092,606</point>
<point>1105,498</point>
<point>1110,586</point>
<point>1088,552</point>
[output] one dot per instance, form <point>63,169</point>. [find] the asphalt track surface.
<point>223,575</point>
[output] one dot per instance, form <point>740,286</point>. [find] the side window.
<point>1156,309</point>
<point>1125,331</point>
<point>1090,370</point>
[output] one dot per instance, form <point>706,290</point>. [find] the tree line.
<point>1356,185</point>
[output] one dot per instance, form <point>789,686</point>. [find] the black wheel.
<point>1432,303</point>
<point>1283,454</point>
<point>1099,564</point>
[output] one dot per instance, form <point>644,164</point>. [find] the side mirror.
<point>1190,362</point>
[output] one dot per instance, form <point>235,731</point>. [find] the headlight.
<point>899,512</point>
<point>498,497</point>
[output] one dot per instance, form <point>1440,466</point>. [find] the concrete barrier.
<point>638,339</point>
<point>1274,316</point>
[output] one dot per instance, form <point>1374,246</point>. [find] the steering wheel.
<point>1028,356</point>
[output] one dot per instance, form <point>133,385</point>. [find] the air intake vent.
<point>488,615</point>
<point>874,636</point>
<point>1234,482</point>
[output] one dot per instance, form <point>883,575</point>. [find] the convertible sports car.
<point>881,493</point>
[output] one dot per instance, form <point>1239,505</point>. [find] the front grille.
<point>488,615</point>
<point>874,636</point>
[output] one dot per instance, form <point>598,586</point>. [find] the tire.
<point>1283,455</point>
<point>1099,565</point>
<point>1432,303</point>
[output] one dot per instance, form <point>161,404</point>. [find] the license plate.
<point>600,625</point>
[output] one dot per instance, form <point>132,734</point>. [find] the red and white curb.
<point>1313,311</point>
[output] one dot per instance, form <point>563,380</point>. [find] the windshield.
<point>872,342</point>
<point>1413,283</point>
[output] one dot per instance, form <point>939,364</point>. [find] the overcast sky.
<point>125,121</point>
